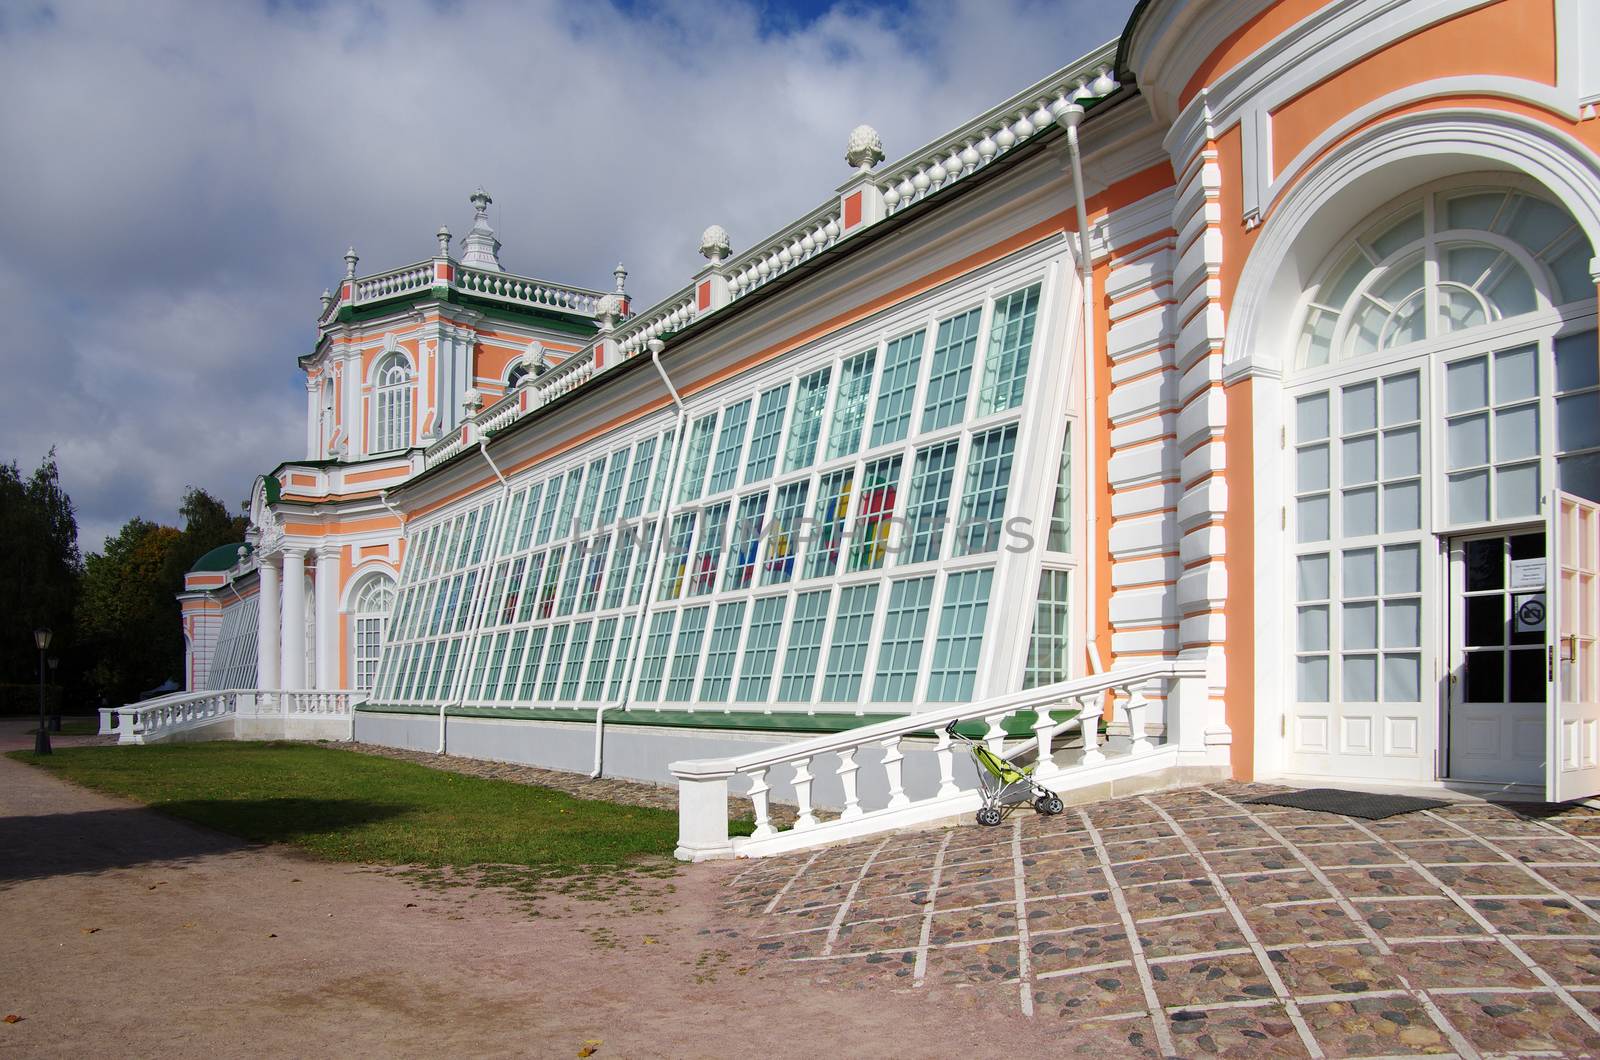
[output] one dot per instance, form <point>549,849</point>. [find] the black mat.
<point>1363,804</point>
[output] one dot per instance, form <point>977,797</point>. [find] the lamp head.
<point>41,638</point>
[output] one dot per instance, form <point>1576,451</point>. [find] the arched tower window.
<point>518,374</point>
<point>369,615</point>
<point>1441,263</point>
<point>391,427</point>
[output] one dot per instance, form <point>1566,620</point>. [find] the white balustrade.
<point>1078,704</point>
<point>156,719</point>
<point>520,290</point>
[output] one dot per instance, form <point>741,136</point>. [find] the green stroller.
<point>1000,779</point>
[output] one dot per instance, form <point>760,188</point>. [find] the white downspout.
<point>656,346</point>
<point>477,631</point>
<point>1069,118</point>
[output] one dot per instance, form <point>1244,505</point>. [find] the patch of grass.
<point>73,728</point>
<point>344,806</point>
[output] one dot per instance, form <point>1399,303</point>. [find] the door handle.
<point>1569,651</point>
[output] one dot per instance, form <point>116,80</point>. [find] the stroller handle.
<point>951,728</point>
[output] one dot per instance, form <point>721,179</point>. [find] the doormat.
<point>1364,804</point>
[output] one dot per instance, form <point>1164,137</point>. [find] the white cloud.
<point>182,179</point>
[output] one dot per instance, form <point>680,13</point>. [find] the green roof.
<point>222,557</point>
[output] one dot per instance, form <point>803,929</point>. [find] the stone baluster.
<point>847,777</point>
<point>1089,725</point>
<point>995,737</point>
<point>892,757</point>
<point>1138,704</point>
<point>1043,725</point>
<point>802,794</point>
<point>759,794</point>
<point>945,753</point>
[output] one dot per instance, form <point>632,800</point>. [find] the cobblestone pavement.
<point>1197,924</point>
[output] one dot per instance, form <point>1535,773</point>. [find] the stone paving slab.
<point>1191,923</point>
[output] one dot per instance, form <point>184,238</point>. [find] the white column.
<point>267,643</point>
<point>313,420</point>
<point>327,587</point>
<point>294,619</point>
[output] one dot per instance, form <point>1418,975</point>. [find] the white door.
<point>1574,754</point>
<point>1497,683</point>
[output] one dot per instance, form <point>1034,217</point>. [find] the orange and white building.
<point>1237,383</point>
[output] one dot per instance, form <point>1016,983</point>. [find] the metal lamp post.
<point>41,739</point>
<point>55,719</point>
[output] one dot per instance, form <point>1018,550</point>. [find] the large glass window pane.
<point>805,647</point>
<point>1402,678</point>
<point>577,653</point>
<point>621,563</point>
<point>833,500</point>
<point>1402,507</point>
<point>1311,468</point>
<point>658,486</point>
<point>1516,491</point>
<point>783,538</point>
<point>639,479</point>
<point>675,561</point>
<point>850,404</point>
<point>1468,495</point>
<point>1311,577</point>
<point>653,663</point>
<point>897,388</point>
<point>1360,675</point>
<point>1311,418</point>
<point>931,476</point>
<point>761,649</point>
<point>611,499</point>
<point>1360,512</point>
<point>1466,385</point>
<point>1005,366</point>
<point>692,482</point>
<point>594,686</point>
<point>1360,460</point>
<point>806,427</point>
<point>1311,518</point>
<point>619,672</point>
<point>764,435</point>
<point>1360,407</point>
<point>686,654</point>
<point>950,370</point>
<point>549,680</point>
<point>900,650</point>
<point>1402,569</point>
<point>748,528</point>
<point>1402,623</point>
<point>730,444</point>
<point>722,652</point>
<point>1577,362</point>
<point>983,501</point>
<point>1048,659</point>
<point>1060,539</point>
<point>880,483</point>
<point>708,553</point>
<point>1401,399</point>
<point>847,652</point>
<point>1516,433</point>
<point>1311,679</point>
<point>1313,628</point>
<point>962,616</point>
<point>1360,625</point>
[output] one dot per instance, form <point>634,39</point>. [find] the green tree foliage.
<point>128,614</point>
<point>39,567</point>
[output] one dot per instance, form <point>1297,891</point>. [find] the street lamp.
<point>41,739</point>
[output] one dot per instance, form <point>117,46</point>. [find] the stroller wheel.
<point>1053,805</point>
<point>988,816</point>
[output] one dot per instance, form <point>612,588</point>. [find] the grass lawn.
<point>73,727</point>
<point>346,806</point>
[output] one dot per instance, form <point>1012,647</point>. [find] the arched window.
<point>391,428</point>
<point>1442,263</point>
<point>369,615</point>
<point>518,374</point>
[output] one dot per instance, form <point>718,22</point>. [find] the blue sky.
<point>181,179</point>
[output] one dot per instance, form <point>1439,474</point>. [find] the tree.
<point>39,567</point>
<point>128,613</point>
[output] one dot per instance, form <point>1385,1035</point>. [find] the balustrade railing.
<point>398,281</point>
<point>773,257</point>
<point>673,313</point>
<point>156,719</point>
<point>1075,705</point>
<point>530,292</point>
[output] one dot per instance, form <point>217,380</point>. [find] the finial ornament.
<point>714,244</point>
<point>327,299</point>
<point>443,236</point>
<point>481,248</point>
<point>608,307</point>
<point>622,278</point>
<point>350,259</point>
<point>865,148</point>
<point>471,399</point>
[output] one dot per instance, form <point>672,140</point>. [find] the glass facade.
<point>829,537</point>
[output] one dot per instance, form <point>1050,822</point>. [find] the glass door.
<point>1574,769</point>
<point>1498,680</point>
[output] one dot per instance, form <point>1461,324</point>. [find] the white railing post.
<point>945,753</point>
<point>847,777</point>
<point>1089,725</point>
<point>703,817</point>
<point>1137,705</point>
<point>892,757</point>
<point>1043,730</point>
<point>995,737</point>
<point>759,792</point>
<point>802,794</point>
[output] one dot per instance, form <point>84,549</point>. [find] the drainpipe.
<point>1069,118</point>
<point>655,346</point>
<point>477,629</point>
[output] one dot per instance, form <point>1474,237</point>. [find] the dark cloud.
<point>181,179</point>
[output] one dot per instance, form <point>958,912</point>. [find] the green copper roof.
<point>220,558</point>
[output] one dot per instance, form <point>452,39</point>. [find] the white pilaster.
<point>327,589</point>
<point>267,642</point>
<point>294,619</point>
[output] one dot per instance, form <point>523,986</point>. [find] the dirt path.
<point>124,931</point>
